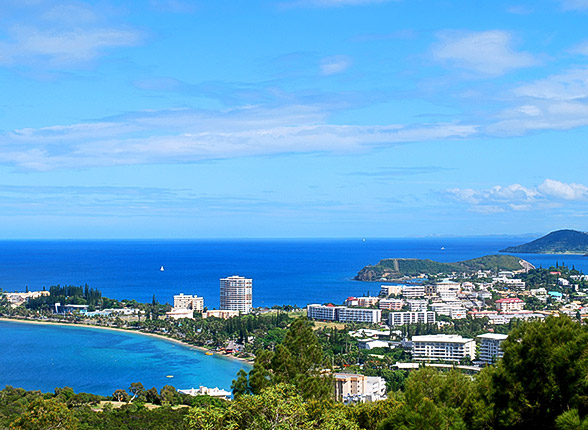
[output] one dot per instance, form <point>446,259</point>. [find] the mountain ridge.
<point>565,241</point>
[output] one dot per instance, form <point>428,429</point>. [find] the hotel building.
<point>236,294</point>
<point>446,347</point>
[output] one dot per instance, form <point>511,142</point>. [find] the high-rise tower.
<point>235,294</point>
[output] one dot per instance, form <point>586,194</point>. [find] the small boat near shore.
<point>208,353</point>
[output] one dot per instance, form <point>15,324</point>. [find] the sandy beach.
<point>159,336</point>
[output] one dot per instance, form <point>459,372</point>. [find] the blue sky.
<point>293,118</point>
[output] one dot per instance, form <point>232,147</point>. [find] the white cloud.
<point>558,102</point>
<point>563,191</point>
<point>335,64</point>
<point>179,136</point>
<point>520,198</point>
<point>487,52</point>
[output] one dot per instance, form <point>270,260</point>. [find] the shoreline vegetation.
<point>121,329</point>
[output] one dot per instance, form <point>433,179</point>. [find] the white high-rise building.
<point>490,347</point>
<point>236,294</point>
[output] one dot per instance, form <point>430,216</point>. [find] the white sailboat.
<point>161,269</point>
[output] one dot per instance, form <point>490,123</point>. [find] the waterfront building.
<point>236,294</point>
<point>354,388</point>
<point>446,347</point>
<point>182,301</point>
<point>490,347</point>
<point>512,304</point>
<point>402,318</point>
<point>322,312</point>
<point>220,313</point>
<point>179,313</point>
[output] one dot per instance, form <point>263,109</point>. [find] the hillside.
<point>556,242</point>
<point>393,268</point>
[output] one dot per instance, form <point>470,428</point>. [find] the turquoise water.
<point>43,357</point>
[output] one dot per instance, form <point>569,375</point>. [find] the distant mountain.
<point>556,242</point>
<point>393,268</point>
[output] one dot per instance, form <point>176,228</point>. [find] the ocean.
<point>295,272</point>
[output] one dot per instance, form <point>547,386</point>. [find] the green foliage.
<point>299,361</point>
<point>542,374</point>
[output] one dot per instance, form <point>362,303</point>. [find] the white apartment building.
<point>322,312</point>
<point>184,301</point>
<point>236,294</point>
<point>402,318</point>
<point>343,314</point>
<point>417,305</point>
<point>353,388</point>
<point>490,350</point>
<point>446,347</point>
<point>409,291</point>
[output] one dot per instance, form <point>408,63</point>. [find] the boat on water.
<point>162,269</point>
<point>169,376</point>
<point>208,353</point>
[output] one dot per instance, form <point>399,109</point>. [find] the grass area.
<point>321,324</point>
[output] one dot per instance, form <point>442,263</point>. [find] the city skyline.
<point>295,118</point>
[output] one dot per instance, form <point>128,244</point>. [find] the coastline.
<point>155,335</point>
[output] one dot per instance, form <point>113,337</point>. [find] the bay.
<point>43,357</point>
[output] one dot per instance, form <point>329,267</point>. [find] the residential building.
<point>182,301</point>
<point>490,350</point>
<point>391,304</point>
<point>446,347</point>
<point>220,313</point>
<point>236,294</point>
<point>322,312</point>
<point>343,314</point>
<point>417,305</point>
<point>362,301</point>
<point>179,313</point>
<point>353,388</point>
<point>409,291</point>
<point>390,290</point>
<point>402,318</point>
<point>510,304</point>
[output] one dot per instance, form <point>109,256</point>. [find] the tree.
<point>298,361</point>
<point>46,414</point>
<point>136,390</point>
<point>120,395</point>
<point>542,374</point>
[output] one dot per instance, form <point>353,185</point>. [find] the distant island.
<point>556,242</point>
<point>394,268</point>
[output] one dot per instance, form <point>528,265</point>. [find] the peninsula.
<point>556,242</point>
<point>395,268</point>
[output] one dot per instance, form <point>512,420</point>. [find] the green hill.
<point>556,242</point>
<point>393,268</point>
